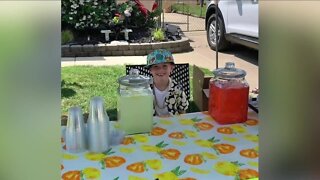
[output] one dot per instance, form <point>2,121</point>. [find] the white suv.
<point>237,23</point>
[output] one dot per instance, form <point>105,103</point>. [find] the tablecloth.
<point>184,147</point>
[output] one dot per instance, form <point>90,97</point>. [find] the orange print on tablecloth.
<point>204,126</point>
<point>158,131</point>
<point>114,161</point>
<point>251,122</point>
<point>127,140</point>
<point>138,167</point>
<point>176,135</point>
<point>225,130</point>
<point>71,175</point>
<point>172,154</point>
<point>247,174</point>
<point>193,159</point>
<point>224,148</point>
<point>249,153</point>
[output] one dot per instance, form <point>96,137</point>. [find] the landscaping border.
<point>124,49</point>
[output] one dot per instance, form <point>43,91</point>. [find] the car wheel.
<point>211,34</point>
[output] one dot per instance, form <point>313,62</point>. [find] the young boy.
<point>170,99</point>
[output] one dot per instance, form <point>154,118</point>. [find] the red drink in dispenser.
<point>228,95</point>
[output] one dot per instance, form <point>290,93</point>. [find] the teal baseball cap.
<point>159,56</point>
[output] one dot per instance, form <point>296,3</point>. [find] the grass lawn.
<point>194,10</point>
<point>80,83</point>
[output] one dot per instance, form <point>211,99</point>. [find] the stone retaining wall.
<point>124,49</point>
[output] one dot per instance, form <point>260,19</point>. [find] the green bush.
<point>66,36</point>
<point>158,35</point>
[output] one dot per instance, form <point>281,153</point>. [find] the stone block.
<point>76,48</point>
<point>111,47</point>
<point>129,53</point>
<point>145,46</point>
<point>134,46</point>
<point>123,47</point>
<point>156,46</point>
<point>105,53</point>
<point>101,47</point>
<point>176,50</point>
<point>116,53</point>
<point>140,52</point>
<point>88,48</point>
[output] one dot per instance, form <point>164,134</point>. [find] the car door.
<point>243,17</point>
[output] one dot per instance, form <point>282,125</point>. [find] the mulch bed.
<point>139,35</point>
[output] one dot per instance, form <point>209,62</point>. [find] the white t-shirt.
<point>160,97</point>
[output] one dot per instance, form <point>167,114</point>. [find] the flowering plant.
<point>84,14</point>
<point>136,15</point>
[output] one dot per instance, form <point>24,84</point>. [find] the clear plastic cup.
<point>75,131</point>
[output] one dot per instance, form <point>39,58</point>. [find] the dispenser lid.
<point>229,71</point>
<point>134,79</point>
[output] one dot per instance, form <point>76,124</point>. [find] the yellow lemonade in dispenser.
<point>135,103</point>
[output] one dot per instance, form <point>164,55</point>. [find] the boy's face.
<point>161,71</point>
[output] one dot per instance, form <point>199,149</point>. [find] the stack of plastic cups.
<point>98,127</point>
<point>75,131</point>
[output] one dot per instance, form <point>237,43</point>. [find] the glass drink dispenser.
<point>228,95</point>
<point>135,103</point>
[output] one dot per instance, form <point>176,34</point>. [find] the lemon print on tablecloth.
<point>154,164</point>
<point>98,156</point>
<point>251,137</point>
<point>227,168</point>
<point>189,121</point>
<point>131,177</point>
<point>206,143</point>
<point>179,143</point>
<point>126,150</point>
<point>199,171</point>
<point>230,139</point>
<point>238,128</point>
<point>165,121</point>
<point>190,133</point>
<point>208,155</point>
<point>150,148</point>
<point>166,176</point>
<point>171,175</point>
<point>69,156</point>
<point>253,163</point>
<point>94,156</point>
<point>140,138</point>
<point>186,122</point>
<point>91,173</point>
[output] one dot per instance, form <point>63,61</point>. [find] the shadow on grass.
<point>67,92</point>
<point>112,113</point>
<point>67,89</point>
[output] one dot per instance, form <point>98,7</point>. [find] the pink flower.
<point>155,6</point>
<point>141,7</point>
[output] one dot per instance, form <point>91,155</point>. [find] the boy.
<point>170,99</point>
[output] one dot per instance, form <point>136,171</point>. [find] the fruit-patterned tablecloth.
<point>188,146</point>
